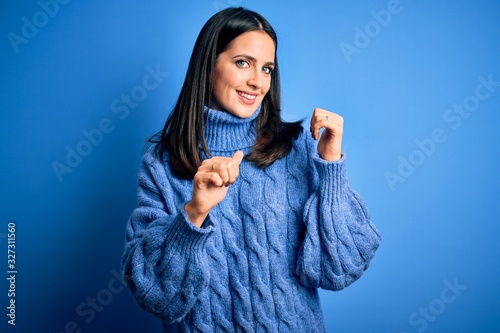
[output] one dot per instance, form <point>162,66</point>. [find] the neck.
<point>225,132</point>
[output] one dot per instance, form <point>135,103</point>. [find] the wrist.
<point>195,216</point>
<point>331,157</point>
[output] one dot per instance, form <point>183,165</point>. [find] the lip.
<point>245,100</point>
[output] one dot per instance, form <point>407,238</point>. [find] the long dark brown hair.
<point>182,136</point>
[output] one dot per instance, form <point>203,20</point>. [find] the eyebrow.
<point>249,57</point>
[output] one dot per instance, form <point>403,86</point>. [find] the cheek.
<point>235,79</point>
<point>267,86</point>
<point>226,81</point>
<point>220,87</point>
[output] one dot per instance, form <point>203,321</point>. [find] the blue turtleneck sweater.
<point>280,233</point>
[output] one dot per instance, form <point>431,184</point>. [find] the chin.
<point>243,112</point>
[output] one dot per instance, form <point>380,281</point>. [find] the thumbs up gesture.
<point>210,185</point>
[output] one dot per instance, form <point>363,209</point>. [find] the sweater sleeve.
<point>164,262</point>
<point>340,239</point>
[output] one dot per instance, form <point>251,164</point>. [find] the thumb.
<point>238,156</point>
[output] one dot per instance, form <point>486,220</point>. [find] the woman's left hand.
<point>330,143</point>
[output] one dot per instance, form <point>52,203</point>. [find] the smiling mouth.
<point>247,96</point>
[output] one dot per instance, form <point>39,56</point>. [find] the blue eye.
<point>241,63</point>
<point>267,70</point>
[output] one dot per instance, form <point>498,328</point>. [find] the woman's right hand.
<point>210,185</point>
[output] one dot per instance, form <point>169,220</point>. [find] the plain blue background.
<point>439,225</point>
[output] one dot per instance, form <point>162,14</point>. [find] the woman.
<point>241,216</point>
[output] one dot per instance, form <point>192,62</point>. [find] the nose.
<point>255,79</point>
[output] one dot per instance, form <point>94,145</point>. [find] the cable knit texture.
<point>256,263</point>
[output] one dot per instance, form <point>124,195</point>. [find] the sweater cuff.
<point>332,177</point>
<point>187,236</point>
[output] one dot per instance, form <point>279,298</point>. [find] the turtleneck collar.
<point>226,132</point>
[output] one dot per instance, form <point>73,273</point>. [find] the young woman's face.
<point>242,74</point>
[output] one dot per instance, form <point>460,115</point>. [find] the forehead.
<point>255,43</point>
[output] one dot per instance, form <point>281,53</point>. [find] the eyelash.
<point>240,63</point>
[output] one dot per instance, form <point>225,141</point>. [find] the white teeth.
<point>247,96</point>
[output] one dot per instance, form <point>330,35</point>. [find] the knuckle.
<point>197,178</point>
